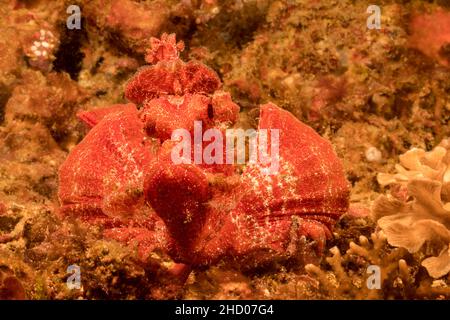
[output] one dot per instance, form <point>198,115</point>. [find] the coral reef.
<point>15,278</point>
<point>435,28</point>
<point>129,22</point>
<point>347,276</point>
<point>417,216</point>
<point>51,101</point>
<point>378,95</point>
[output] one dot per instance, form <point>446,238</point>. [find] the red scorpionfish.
<point>122,175</point>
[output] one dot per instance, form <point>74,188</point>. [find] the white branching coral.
<point>342,283</point>
<point>419,164</point>
<point>421,219</point>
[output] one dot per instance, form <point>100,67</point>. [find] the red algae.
<point>430,34</point>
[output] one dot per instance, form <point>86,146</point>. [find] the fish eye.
<point>210,111</point>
